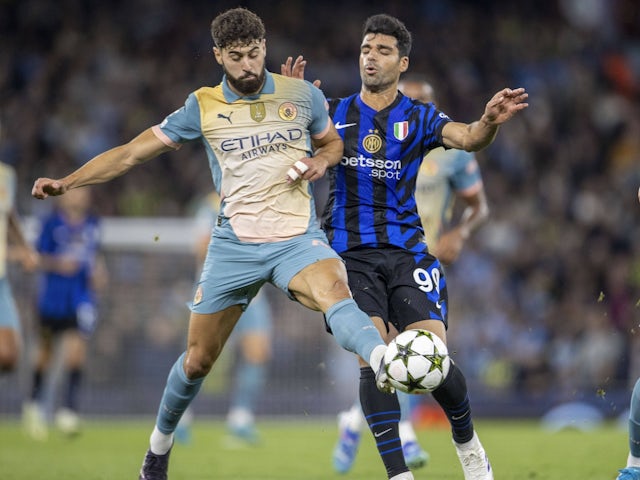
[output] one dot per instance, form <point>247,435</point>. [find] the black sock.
<point>36,388</point>
<point>382,412</point>
<point>453,397</point>
<point>73,388</point>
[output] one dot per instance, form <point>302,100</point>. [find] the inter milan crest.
<point>372,142</point>
<point>258,111</point>
<point>288,111</point>
<point>401,130</point>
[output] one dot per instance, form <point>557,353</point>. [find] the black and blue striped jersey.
<point>371,197</point>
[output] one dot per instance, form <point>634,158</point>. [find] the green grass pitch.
<point>301,450</point>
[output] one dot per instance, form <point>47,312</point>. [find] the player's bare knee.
<point>197,365</point>
<point>8,361</point>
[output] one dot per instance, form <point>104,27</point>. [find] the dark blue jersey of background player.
<point>371,201</point>
<point>76,243</point>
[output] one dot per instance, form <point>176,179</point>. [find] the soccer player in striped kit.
<point>372,221</point>
<point>446,177</point>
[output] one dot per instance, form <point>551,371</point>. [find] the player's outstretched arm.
<point>477,135</point>
<point>105,166</point>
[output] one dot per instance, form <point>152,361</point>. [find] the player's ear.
<point>404,64</point>
<point>218,54</point>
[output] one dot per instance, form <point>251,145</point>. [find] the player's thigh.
<point>207,335</point>
<point>321,284</point>
<point>309,271</point>
<point>435,326</point>
<point>418,293</point>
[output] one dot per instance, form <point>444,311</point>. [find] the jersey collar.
<point>230,96</point>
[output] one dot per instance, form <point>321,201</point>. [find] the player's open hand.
<point>296,69</point>
<point>47,187</point>
<point>504,105</point>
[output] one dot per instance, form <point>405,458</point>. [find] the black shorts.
<point>397,285</point>
<point>84,321</point>
<point>58,325</point>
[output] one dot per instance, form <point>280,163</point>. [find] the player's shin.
<point>382,412</point>
<point>453,397</point>
<point>355,331</point>
<point>178,394</point>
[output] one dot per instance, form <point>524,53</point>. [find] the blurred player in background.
<point>73,272</point>
<point>251,339</point>
<point>632,470</point>
<point>372,221</point>
<point>267,138</point>
<point>13,246</point>
<point>445,176</point>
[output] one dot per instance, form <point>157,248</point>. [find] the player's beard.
<point>376,83</point>
<point>248,84</point>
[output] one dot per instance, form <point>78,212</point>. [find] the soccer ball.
<point>417,361</point>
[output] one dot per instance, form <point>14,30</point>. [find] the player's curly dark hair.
<point>237,26</point>
<point>388,25</point>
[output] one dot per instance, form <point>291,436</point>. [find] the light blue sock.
<point>634,421</point>
<point>176,397</point>
<point>353,329</point>
<point>250,380</point>
<point>406,406</point>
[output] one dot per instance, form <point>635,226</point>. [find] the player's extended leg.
<point>382,413</point>
<point>453,397</point>
<point>75,350</point>
<point>632,470</point>
<point>350,424</point>
<point>414,456</point>
<point>33,417</point>
<point>323,286</point>
<point>207,335</point>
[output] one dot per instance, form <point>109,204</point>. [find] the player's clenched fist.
<point>47,187</point>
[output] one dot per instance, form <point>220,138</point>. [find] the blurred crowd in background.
<point>544,300</point>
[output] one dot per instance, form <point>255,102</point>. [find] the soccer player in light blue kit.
<point>267,138</point>
<point>11,235</point>
<point>632,470</point>
<point>445,178</point>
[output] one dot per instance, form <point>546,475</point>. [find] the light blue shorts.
<point>256,318</point>
<point>234,271</point>
<point>9,312</point>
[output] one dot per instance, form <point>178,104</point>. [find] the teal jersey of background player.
<point>443,175</point>
<point>8,315</point>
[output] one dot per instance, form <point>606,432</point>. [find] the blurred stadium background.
<point>544,301</point>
